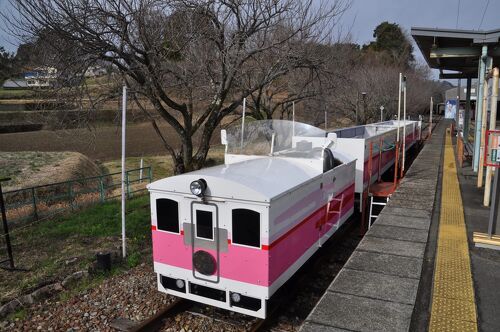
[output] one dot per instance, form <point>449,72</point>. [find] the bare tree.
<point>363,81</point>
<point>193,61</point>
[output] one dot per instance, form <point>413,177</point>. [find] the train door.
<point>205,242</point>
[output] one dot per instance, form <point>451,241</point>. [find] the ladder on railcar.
<point>373,203</point>
<point>379,193</point>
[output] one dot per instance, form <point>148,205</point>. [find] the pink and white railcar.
<point>231,235</point>
<point>375,141</point>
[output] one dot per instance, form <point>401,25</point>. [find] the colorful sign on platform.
<point>492,155</point>
<point>450,111</point>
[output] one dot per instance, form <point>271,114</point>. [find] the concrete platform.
<point>377,288</point>
<point>387,283</point>
<point>485,263</point>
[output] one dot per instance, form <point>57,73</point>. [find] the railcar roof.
<point>370,130</point>
<point>259,179</point>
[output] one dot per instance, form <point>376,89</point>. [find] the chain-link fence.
<point>48,241</point>
<point>40,202</point>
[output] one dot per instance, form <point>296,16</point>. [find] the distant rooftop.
<point>15,84</point>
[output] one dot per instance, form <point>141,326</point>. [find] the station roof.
<point>456,50</point>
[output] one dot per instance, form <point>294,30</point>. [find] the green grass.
<point>100,220</point>
<point>161,165</point>
<point>18,315</point>
<point>45,247</point>
<point>15,94</point>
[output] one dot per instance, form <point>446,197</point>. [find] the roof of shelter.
<point>456,50</point>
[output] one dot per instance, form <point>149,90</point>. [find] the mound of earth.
<point>29,168</point>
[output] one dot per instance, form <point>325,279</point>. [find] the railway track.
<point>308,274</point>
<point>155,322</point>
<point>288,294</point>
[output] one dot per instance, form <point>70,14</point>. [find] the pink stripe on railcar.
<point>169,248</point>
<point>284,253</point>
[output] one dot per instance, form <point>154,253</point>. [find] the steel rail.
<point>154,322</point>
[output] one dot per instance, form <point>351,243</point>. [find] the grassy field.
<point>15,94</point>
<point>46,247</point>
<point>30,168</point>
<point>101,143</point>
<point>53,249</point>
<point>162,166</point>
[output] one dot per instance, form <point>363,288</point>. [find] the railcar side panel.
<point>291,249</point>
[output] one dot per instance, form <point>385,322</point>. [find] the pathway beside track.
<point>378,287</point>
<point>453,302</point>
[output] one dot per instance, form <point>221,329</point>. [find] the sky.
<point>364,15</point>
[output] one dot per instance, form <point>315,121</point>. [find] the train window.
<point>204,225</point>
<point>167,215</point>
<point>246,227</point>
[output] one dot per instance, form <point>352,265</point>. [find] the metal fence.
<point>41,202</point>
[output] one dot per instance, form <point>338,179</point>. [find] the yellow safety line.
<point>453,304</point>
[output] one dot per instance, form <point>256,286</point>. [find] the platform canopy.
<point>456,50</point>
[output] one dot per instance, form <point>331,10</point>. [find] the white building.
<point>41,77</point>
<point>95,71</point>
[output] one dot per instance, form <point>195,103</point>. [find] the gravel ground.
<point>132,295</point>
<point>314,279</point>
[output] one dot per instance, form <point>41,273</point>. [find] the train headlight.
<point>198,187</point>
<point>179,283</point>
<point>236,297</point>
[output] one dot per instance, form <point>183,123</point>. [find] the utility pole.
<point>479,108</point>
<point>243,122</point>
<point>404,128</point>
<point>326,120</point>
<point>396,161</point>
<point>357,107</point>
<point>493,121</point>
<point>124,124</point>
<point>364,106</point>
<point>431,109</point>
<point>381,113</point>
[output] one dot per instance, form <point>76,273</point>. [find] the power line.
<point>458,14</point>
<point>484,13</point>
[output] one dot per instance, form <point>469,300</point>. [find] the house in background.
<point>95,71</point>
<point>41,77</point>
<point>13,83</point>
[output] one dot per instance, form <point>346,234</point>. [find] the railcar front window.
<point>246,227</point>
<point>275,137</point>
<point>204,225</point>
<point>167,215</point>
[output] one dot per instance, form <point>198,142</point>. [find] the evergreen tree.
<point>392,42</point>
<point>5,64</point>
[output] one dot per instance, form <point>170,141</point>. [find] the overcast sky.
<point>365,15</point>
